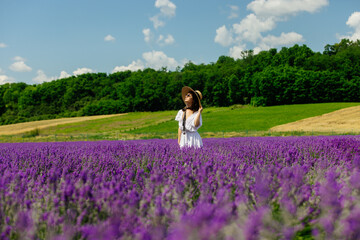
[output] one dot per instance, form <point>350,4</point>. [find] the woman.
<point>190,119</point>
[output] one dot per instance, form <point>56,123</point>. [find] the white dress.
<point>191,138</point>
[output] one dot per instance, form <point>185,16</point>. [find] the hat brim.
<point>185,91</point>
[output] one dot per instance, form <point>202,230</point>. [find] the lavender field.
<point>236,188</point>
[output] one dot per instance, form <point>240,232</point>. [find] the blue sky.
<point>44,40</point>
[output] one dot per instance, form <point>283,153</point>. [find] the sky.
<point>45,40</point>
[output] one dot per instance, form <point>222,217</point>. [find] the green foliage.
<point>294,75</point>
<point>32,133</point>
<point>103,107</point>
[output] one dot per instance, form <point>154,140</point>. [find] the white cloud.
<point>147,34</point>
<point>109,38</point>
<point>282,8</point>
<point>5,79</point>
<point>260,48</point>
<point>251,27</point>
<point>134,66</point>
<point>80,71</point>
<point>223,36</point>
<point>154,59</point>
<point>166,7</point>
<point>157,22</point>
<point>283,39</point>
<point>166,41</point>
<point>20,67</point>
<point>354,22</point>
<point>169,39</point>
<point>185,61</point>
<point>167,10</point>
<point>266,14</point>
<point>64,74</point>
<point>41,77</point>
<point>19,59</point>
<point>3,45</point>
<point>235,51</point>
<point>161,38</point>
<point>233,12</point>
<point>158,59</point>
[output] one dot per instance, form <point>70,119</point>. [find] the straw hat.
<point>187,89</point>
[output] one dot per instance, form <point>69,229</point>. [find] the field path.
<point>346,120</point>
<point>28,126</point>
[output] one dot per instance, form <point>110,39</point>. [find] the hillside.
<point>341,121</point>
<point>237,120</point>
<point>19,128</point>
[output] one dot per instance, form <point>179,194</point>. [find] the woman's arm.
<point>179,135</point>
<point>197,118</point>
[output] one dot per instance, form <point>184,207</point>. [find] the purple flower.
<point>24,222</point>
<point>288,233</point>
<point>45,216</point>
<point>328,225</point>
<point>84,176</point>
<point>355,179</point>
<point>261,187</point>
<point>28,204</point>
<point>151,190</point>
<point>352,225</point>
<point>254,224</point>
<point>356,161</point>
<point>330,193</point>
<point>289,205</point>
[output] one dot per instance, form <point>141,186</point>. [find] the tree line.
<point>293,75</point>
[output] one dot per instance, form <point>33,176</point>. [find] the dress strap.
<point>184,120</point>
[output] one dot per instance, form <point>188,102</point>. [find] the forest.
<point>291,75</point>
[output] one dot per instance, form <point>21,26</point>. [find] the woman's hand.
<point>200,107</point>
<point>197,118</point>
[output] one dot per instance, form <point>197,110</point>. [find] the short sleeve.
<point>179,115</point>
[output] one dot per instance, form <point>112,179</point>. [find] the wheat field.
<point>19,128</point>
<point>345,120</point>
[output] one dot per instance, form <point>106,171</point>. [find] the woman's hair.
<point>195,104</point>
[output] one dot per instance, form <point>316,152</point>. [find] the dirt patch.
<point>345,120</point>
<point>28,126</point>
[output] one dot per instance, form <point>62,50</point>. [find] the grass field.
<point>248,118</point>
<point>237,120</point>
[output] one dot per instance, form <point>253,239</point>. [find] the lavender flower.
<point>235,188</point>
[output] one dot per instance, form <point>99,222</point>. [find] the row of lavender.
<point>240,188</point>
